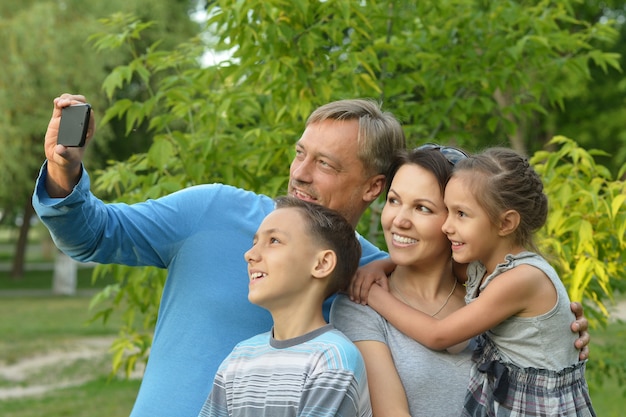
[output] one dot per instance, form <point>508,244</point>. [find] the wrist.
<point>61,180</point>
<point>375,296</point>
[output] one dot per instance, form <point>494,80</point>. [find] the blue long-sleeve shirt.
<point>199,235</point>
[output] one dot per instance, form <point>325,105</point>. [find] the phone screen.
<point>74,125</point>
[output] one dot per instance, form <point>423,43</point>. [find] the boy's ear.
<point>509,221</point>
<point>325,264</point>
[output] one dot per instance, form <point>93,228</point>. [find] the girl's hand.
<point>375,272</point>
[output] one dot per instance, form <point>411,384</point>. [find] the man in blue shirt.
<point>200,234</point>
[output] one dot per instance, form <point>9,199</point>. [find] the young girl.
<point>526,363</point>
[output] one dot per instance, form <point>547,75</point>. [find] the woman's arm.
<point>386,390</point>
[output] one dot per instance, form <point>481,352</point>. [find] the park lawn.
<point>42,280</point>
<point>34,327</point>
<point>608,398</point>
<point>97,398</point>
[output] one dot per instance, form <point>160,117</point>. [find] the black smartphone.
<point>74,125</point>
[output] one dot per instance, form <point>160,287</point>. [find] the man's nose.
<point>301,170</point>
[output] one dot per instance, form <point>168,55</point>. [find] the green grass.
<point>98,398</point>
<point>42,280</point>
<point>34,326</point>
<point>608,397</point>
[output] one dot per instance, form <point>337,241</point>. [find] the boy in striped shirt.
<point>301,254</point>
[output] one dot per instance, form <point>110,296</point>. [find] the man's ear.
<point>325,264</point>
<point>375,187</point>
<point>509,221</point>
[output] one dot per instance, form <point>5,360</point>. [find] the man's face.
<point>327,171</point>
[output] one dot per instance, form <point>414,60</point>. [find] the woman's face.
<point>412,218</point>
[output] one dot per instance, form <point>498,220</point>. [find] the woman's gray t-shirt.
<point>435,382</point>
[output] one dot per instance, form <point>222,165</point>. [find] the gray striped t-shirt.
<point>318,374</point>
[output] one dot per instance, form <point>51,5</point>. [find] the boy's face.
<point>281,259</point>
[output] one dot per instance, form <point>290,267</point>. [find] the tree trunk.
<point>17,271</point>
<point>516,139</point>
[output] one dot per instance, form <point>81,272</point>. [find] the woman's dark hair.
<point>431,160</point>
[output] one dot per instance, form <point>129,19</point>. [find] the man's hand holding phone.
<point>72,119</point>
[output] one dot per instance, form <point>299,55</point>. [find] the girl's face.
<point>468,226</point>
<point>412,218</point>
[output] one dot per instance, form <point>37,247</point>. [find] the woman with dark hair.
<point>406,378</point>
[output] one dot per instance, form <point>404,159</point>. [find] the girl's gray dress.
<point>527,366</point>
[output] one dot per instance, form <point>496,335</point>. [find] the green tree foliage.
<point>585,233</point>
<point>34,70</point>
<point>42,44</point>
<point>595,110</point>
<point>585,238</point>
<point>45,53</point>
<point>468,72</point>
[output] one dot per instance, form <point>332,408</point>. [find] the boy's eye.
<point>274,240</point>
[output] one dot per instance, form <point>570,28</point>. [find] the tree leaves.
<point>584,234</point>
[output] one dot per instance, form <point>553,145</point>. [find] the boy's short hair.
<point>331,229</point>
